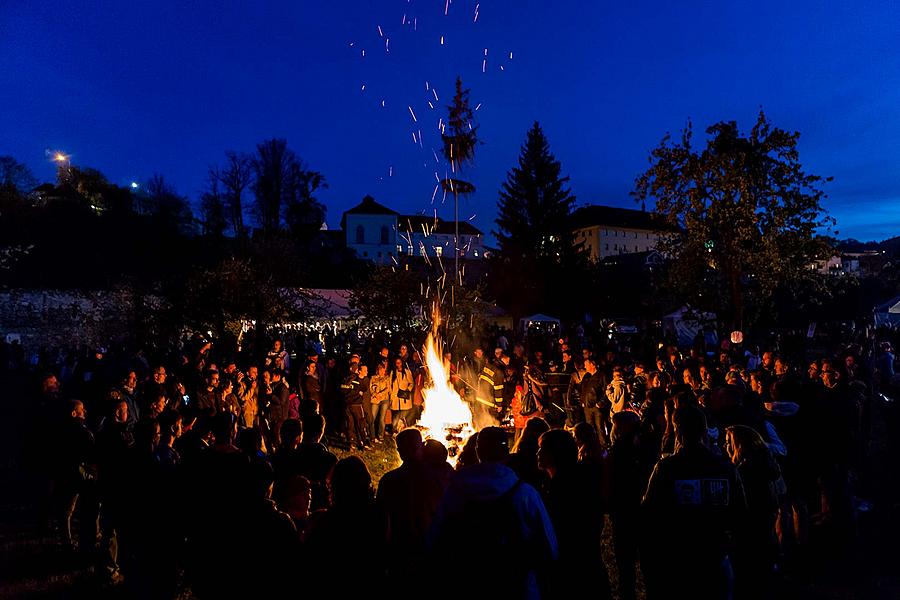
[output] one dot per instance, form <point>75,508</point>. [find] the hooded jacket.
<point>504,524</point>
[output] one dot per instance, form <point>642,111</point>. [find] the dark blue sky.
<point>138,87</point>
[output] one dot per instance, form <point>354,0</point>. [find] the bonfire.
<point>445,416</point>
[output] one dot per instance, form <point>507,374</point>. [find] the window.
<point>409,250</point>
<point>476,254</point>
<point>384,234</point>
<point>399,249</point>
<point>438,250</point>
<point>360,234</point>
<point>616,247</point>
<point>635,235</point>
<point>607,246</point>
<point>616,232</point>
<point>648,235</point>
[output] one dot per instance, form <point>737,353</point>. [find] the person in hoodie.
<point>617,392</point>
<point>509,538</point>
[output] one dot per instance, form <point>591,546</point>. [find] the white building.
<point>371,230</point>
<point>380,234</point>
<point>605,231</point>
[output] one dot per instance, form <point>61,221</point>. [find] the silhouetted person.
<point>507,532</point>
<point>693,504</point>
<point>409,496</point>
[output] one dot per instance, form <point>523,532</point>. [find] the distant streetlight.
<point>60,158</point>
<point>134,185</point>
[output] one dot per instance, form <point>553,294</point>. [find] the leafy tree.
<point>389,297</point>
<point>743,215</point>
<point>534,230</point>
<point>217,298</point>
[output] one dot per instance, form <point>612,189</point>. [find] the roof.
<point>613,216</point>
<point>416,223</point>
<point>368,206</point>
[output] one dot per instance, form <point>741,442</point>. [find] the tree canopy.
<point>743,216</point>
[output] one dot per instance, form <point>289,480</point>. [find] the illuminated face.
<point>214,380</point>
<point>398,364</point>
<point>479,353</point>
<point>159,375</point>
<point>276,347</point>
<point>252,372</point>
<point>363,371</point>
<point>131,380</point>
<point>79,412</point>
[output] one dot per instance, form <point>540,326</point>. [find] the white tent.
<point>539,321</point>
<point>887,313</point>
<point>685,323</point>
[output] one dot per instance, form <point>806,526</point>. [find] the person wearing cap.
<point>508,535</point>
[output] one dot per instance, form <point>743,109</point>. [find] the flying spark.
<point>380,32</point>
<point>415,120</point>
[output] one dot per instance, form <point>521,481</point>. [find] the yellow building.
<point>605,231</point>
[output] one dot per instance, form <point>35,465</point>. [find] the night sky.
<point>138,87</point>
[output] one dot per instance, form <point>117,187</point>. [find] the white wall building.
<point>605,231</point>
<point>380,234</point>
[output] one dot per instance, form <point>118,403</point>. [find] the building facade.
<point>605,231</point>
<point>382,235</point>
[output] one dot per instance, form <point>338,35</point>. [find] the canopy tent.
<point>685,323</point>
<point>539,322</point>
<point>887,313</point>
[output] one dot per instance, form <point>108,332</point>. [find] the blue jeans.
<point>378,413</point>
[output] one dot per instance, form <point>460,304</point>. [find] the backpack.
<point>293,406</point>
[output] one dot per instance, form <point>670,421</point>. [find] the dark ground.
<point>33,565</point>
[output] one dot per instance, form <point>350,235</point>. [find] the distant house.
<point>380,234</point>
<point>605,231</point>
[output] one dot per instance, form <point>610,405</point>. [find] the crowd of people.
<point>213,469</point>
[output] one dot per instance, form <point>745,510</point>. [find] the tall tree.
<point>303,213</point>
<point>272,166</point>
<point>212,207</point>
<point>535,204</point>
<point>235,177</point>
<point>744,215</point>
<point>285,189</point>
<point>534,230</point>
<point>460,137</point>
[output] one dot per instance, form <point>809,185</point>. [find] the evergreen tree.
<point>537,251</point>
<point>534,207</point>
